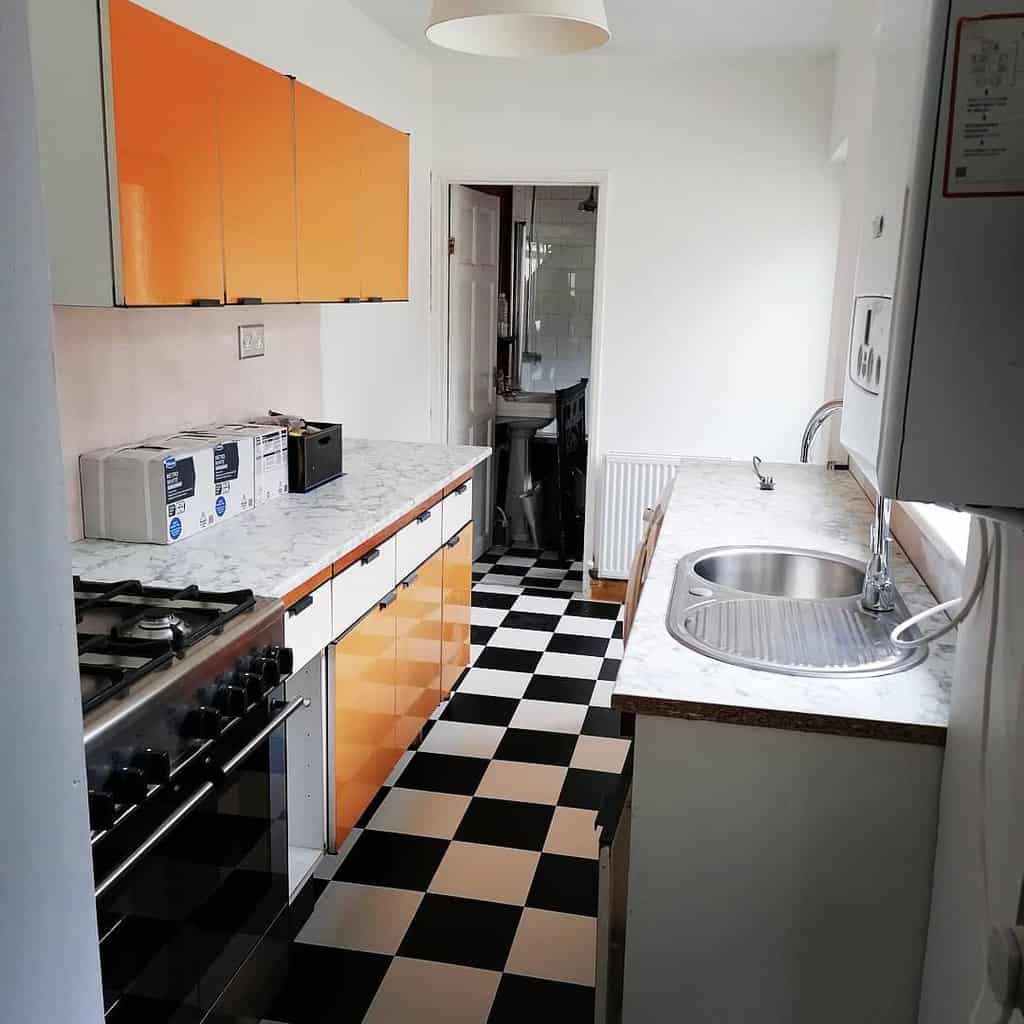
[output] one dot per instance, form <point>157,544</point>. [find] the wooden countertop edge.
<point>341,564</point>
<point>793,721</point>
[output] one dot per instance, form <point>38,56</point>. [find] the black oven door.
<point>181,907</point>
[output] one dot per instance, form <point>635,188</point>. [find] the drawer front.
<point>362,585</point>
<point>419,540</point>
<point>307,625</point>
<point>457,510</point>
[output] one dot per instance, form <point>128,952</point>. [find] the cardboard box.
<point>155,492</point>
<point>270,456</point>
<point>234,472</point>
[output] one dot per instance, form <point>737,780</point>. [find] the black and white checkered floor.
<point>469,893</point>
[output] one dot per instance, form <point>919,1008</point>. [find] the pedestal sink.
<point>524,414</point>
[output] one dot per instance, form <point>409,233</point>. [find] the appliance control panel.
<point>869,344</point>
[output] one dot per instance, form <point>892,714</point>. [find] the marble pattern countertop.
<point>718,503</point>
<point>277,547</point>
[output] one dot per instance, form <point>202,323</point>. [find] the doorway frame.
<point>440,192</point>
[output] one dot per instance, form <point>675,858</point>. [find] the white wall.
<point>376,359</point>
<point>722,214</point>
<point>49,962</point>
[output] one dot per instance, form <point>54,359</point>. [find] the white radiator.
<point>632,483</point>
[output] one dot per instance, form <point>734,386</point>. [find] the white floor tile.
<point>370,918</point>
<point>416,812</point>
<point>543,605</point>
<point>549,716</point>
<point>600,754</point>
<point>529,783</point>
<point>520,639</point>
<point>475,650</point>
<point>573,666</point>
<point>487,616</point>
<point>463,738</point>
<point>433,993</point>
<point>495,682</point>
<point>572,833</point>
<point>602,695</point>
<point>559,947</point>
<point>547,574</point>
<point>511,587</point>
<point>518,560</point>
<point>477,872</point>
<point>579,625</point>
<point>616,649</point>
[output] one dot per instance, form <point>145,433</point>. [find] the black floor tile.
<point>536,747</point>
<point>610,669</point>
<point>517,571</point>
<point>530,591</point>
<point>508,823</point>
<point>371,807</point>
<point>568,643</point>
<point>480,635</point>
<point>479,709</point>
<point>594,609</point>
<point>443,773</point>
<point>328,986</point>
<point>603,722</point>
<point>561,689</point>
<point>567,885</point>
<point>397,861</point>
<point>478,576</point>
<point>521,999</point>
<point>575,574</point>
<point>508,659</point>
<point>485,599</point>
<point>524,552</point>
<point>473,933</point>
<point>490,557</point>
<point>541,582</point>
<point>619,631</point>
<point>553,563</point>
<point>531,620</point>
<point>587,789</point>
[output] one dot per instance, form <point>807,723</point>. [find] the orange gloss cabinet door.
<point>328,139</point>
<point>364,743</point>
<point>165,122</point>
<point>457,609</point>
<point>257,161</point>
<point>386,213</point>
<point>418,676</point>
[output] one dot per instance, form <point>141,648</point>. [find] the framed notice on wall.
<point>985,144</point>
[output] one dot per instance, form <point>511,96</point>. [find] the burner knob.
<point>231,700</point>
<point>101,811</point>
<point>253,684</point>
<point>201,723</point>
<point>127,785</point>
<point>281,657</point>
<point>155,765</point>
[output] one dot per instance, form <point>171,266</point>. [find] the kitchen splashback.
<point>125,374</point>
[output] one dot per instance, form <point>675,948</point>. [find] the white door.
<point>473,340</point>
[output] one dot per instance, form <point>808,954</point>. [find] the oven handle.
<point>197,797</point>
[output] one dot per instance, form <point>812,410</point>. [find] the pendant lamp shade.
<point>518,28</point>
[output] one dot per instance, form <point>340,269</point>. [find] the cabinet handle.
<point>351,298</point>
<point>370,556</point>
<point>387,602</point>
<point>301,605</point>
<point>423,517</point>
<point>249,300</point>
<point>374,298</point>
<point>454,542</point>
<point>207,302</point>
<point>410,579</point>
<point>461,489</point>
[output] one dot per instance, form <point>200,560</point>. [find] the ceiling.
<point>665,28</point>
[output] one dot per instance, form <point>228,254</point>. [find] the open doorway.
<point>520,355</point>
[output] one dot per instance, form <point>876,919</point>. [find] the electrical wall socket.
<point>251,341</point>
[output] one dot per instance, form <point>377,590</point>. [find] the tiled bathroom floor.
<point>469,893</point>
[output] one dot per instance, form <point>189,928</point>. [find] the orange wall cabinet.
<point>458,593</point>
<point>365,748</point>
<point>329,201</point>
<point>418,679</point>
<point>257,163</point>
<point>385,212</point>
<point>167,163</point>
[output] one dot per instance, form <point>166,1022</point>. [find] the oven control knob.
<point>101,811</point>
<point>155,765</point>
<point>231,700</point>
<point>201,723</point>
<point>253,685</point>
<point>127,785</point>
<point>282,657</point>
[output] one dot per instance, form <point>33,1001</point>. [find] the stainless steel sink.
<point>784,610</point>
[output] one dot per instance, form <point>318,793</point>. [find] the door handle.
<point>375,298</point>
<point>249,300</point>
<point>207,302</point>
<point>370,556</point>
<point>301,605</point>
<point>410,579</point>
<point>461,489</point>
<point>387,602</point>
<point>424,516</point>
<point>454,542</point>
<point>351,299</point>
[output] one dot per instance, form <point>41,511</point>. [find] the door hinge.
<point>451,246</point>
